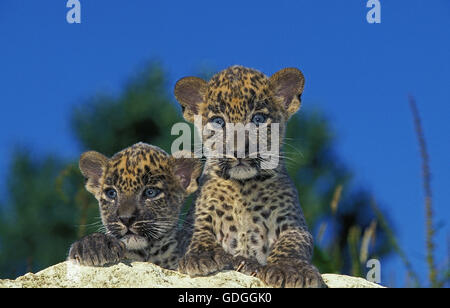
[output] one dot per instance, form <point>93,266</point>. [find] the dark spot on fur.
<point>219,213</point>
<point>227,207</point>
<point>265,214</point>
<point>280,219</point>
<point>257,208</point>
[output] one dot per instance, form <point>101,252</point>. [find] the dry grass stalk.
<point>369,234</point>
<point>321,233</point>
<point>336,198</point>
<point>426,176</point>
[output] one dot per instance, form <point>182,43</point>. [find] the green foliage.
<point>48,207</point>
<point>144,112</point>
<point>318,173</point>
<point>36,225</point>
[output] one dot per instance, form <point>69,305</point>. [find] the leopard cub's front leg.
<point>288,264</point>
<point>97,249</point>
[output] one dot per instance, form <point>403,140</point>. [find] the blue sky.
<point>360,74</point>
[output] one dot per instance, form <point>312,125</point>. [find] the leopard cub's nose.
<point>127,220</point>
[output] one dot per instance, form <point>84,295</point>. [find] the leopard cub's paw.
<point>246,265</point>
<point>311,277</point>
<point>97,250</point>
<point>291,275</point>
<point>204,263</point>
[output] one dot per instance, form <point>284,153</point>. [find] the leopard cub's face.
<point>140,191</point>
<point>246,97</point>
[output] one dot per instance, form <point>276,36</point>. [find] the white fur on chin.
<point>242,172</point>
<point>134,242</point>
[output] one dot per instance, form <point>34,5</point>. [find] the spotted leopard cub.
<point>248,217</point>
<point>140,191</point>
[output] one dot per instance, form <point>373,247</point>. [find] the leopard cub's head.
<point>140,191</point>
<point>246,97</point>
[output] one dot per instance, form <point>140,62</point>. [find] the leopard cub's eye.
<point>218,121</point>
<point>151,192</point>
<point>111,193</point>
<point>259,118</point>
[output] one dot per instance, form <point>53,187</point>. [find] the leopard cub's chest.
<point>245,221</point>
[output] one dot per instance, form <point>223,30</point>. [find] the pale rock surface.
<point>146,275</point>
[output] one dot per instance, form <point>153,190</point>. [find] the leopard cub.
<point>247,215</point>
<point>140,192</point>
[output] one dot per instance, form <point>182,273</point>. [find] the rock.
<point>146,275</point>
<point>344,281</point>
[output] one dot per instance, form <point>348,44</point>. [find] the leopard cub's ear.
<point>190,92</point>
<point>187,170</point>
<point>93,165</point>
<point>287,84</point>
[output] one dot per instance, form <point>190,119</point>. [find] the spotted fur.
<point>248,218</point>
<point>140,224</point>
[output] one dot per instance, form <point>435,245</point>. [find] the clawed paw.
<point>246,266</point>
<point>204,263</point>
<point>97,250</point>
<point>285,275</point>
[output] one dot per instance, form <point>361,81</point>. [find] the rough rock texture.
<point>145,275</point>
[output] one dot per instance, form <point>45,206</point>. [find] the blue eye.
<point>151,192</point>
<point>218,121</point>
<point>111,193</point>
<point>259,118</point>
